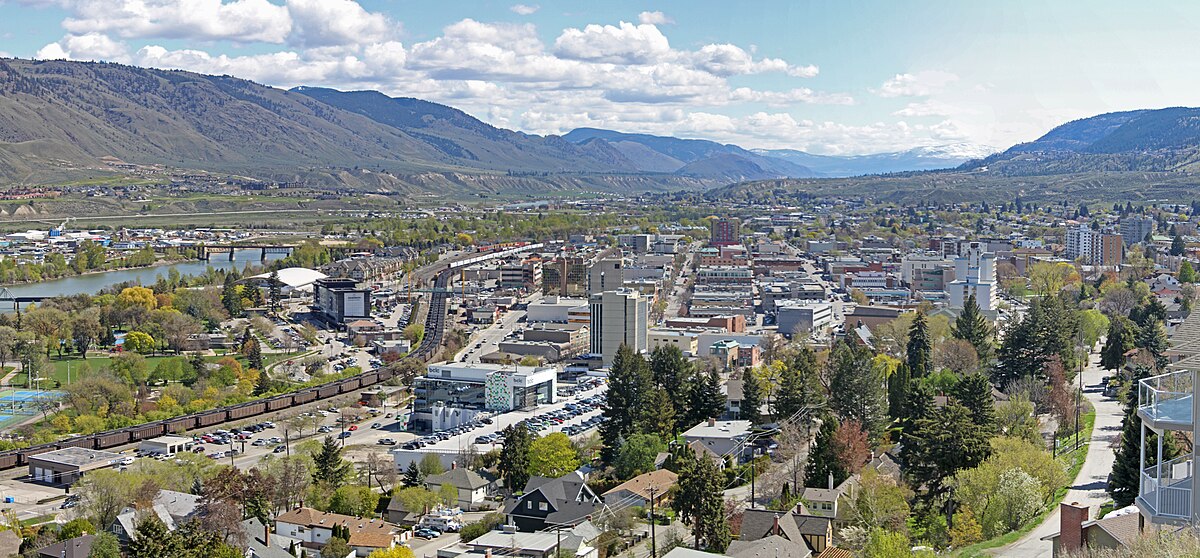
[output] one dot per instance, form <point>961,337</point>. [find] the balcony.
<point>1165,401</point>
<point>1165,494</point>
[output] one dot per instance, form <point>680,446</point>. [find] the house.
<point>78,547</point>
<point>723,438</point>
<point>545,502</point>
<point>815,533</point>
<point>314,528</point>
<point>640,490</point>
<point>1115,530</point>
<point>170,506</point>
<point>473,487</point>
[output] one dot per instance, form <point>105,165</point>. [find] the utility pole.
<point>653,522</point>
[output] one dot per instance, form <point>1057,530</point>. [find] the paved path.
<point>1088,488</point>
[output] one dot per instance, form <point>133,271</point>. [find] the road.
<point>1089,485</point>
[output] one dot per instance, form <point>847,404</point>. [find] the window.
<point>542,506</point>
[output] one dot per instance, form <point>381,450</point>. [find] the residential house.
<point>1117,529</point>
<point>722,437</point>
<point>640,490</point>
<point>545,502</point>
<point>815,533</point>
<point>473,487</point>
<point>170,506</point>
<point>314,528</point>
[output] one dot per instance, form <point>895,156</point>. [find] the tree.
<point>552,456</point>
<point>971,326</point>
<point>975,393</point>
<point>393,552</point>
<point>939,446</point>
<point>857,387</point>
<point>1118,342</point>
<point>700,501</point>
<point>514,457</point>
<point>637,455</point>
<point>138,342</point>
<point>823,465</point>
<point>629,383</point>
<point>329,468</point>
<point>335,547</point>
<point>105,545</point>
<point>274,295</point>
<point>749,409</point>
<point>1187,274</point>
<point>919,351</point>
<point>1178,247</point>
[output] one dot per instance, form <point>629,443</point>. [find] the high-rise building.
<point>606,275</point>
<point>1134,228</point>
<point>974,274</point>
<point>618,317</point>
<point>726,231</point>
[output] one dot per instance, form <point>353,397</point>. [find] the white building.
<point>974,274</point>
<point>618,317</point>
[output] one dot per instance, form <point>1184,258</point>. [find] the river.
<point>93,283</point>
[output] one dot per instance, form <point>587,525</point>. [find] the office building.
<point>1134,228</point>
<point>618,318</point>
<point>726,231</point>
<point>606,275</point>
<point>449,395</point>
<point>974,274</point>
<point>341,300</point>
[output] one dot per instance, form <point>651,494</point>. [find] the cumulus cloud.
<point>919,84</point>
<point>524,9</point>
<point>239,20</point>
<point>89,46</point>
<point>654,18</point>
<point>624,43</point>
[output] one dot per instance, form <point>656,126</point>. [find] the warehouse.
<point>67,465</point>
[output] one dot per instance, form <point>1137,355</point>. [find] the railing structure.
<point>1167,397</point>
<point>1166,489</point>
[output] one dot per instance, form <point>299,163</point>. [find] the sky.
<point>839,78</point>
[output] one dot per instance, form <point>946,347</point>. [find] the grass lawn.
<point>1073,461</point>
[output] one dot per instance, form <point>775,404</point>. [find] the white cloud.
<point>89,46</point>
<point>624,43</point>
<point>654,18</point>
<point>238,20</point>
<point>336,22</point>
<point>524,9</point>
<point>919,84</point>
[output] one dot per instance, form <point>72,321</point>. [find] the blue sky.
<point>825,77</point>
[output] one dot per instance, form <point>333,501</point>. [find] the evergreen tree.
<point>413,476</point>
<point>975,393</point>
<point>919,353</point>
<point>707,401</point>
<point>273,290</point>
<point>1119,341</point>
<point>329,468</point>
<point>1178,247</point>
<point>752,396</point>
<point>1187,274</point>
<point>971,326</point>
<point>700,500</point>
<point>514,457</point>
<point>856,387</point>
<point>1126,472</point>
<point>799,385</point>
<point>629,383</point>
<point>822,458</point>
<point>231,298</point>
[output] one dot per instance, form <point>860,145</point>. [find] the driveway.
<point>1088,488</point>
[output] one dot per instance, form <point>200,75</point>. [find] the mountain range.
<point>62,121</point>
